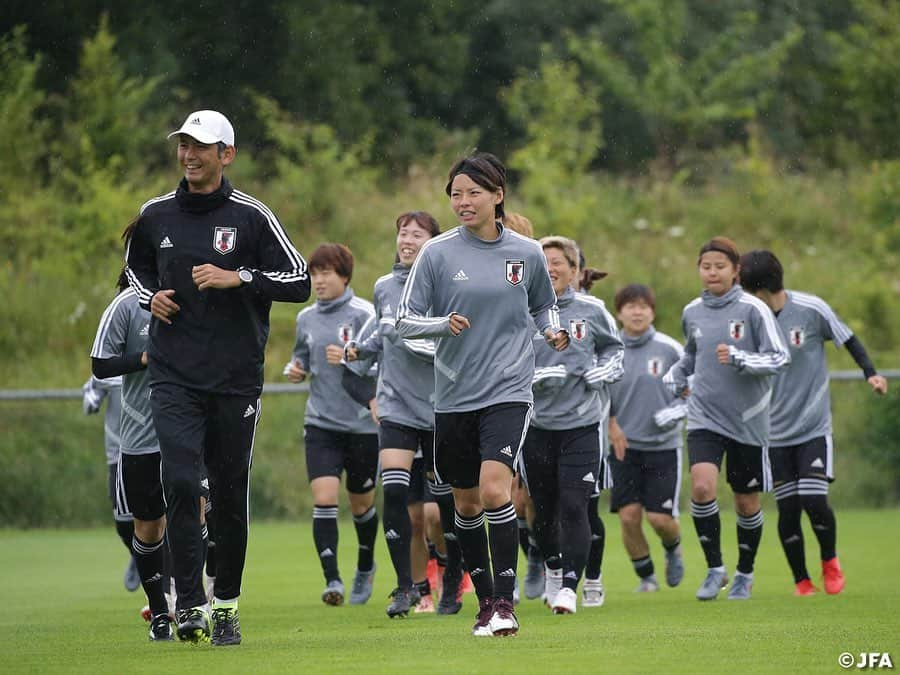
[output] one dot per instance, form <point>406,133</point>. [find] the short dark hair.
<point>634,293</point>
<point>336,257</point>
<point>422,218</point>
<point>761,270</point>
<point>486,170</point>
<point>722,245</point>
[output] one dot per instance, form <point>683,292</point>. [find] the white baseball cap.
<point>207,126</point>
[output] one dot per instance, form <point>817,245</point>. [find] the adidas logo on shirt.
<point>509,572</point>
<point>249,411</point>
<point>817,463</point>
<point>391,534</point>
<point>326,553</point>
<point>506,451</point>
<point>588,477</point>
<point>667,504</point>
<point>166,242</point>
<point>460,276</point>
<point>145,330</point>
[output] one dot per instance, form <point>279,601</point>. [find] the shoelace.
<point>222,614</point>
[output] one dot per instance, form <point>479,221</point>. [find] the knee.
<point>703,491</point>
<point>660,522</point>
<point>630,516</point>
<point>150,531</point>
<point>746,505</point>
<point>417,521</point>
<point>494,493</point>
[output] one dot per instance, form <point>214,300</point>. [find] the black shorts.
<point>569,459</point>
<point>330,453</point>
<point>139,488</point>
<point>812,459</point>
<point>462,441</point>
<point>419,488</point>
<point>112,488</point>
<point>748,465</point>
<point>650,478</point>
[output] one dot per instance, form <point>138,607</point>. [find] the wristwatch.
<point>246,276</point>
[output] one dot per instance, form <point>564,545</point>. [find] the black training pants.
<point>194,427</point>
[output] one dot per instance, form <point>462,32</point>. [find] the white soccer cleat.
<point>552,584</point>
<point>564,602</point>
<point>592,594</point>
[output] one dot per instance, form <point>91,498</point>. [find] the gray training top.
<point>499,286</point>
<point>568,385</point>
<point>332,322</point>
<point>643,406</point>
<point>124,329</point>
<point>733,399</point>
<point>801,405</point>
<point>405,393</point>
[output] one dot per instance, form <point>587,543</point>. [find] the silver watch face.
<point>246,276</point>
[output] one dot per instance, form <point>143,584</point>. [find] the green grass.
<point>65,610</point>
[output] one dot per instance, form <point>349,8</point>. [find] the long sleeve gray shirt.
<point>649,414</point>
<point>331,322</point>
<point>801,404</point>
<point>730,399</point>
<point>568,385</point>
<point>124,329</point>
<point>405,393</point>
<point>503,288</point>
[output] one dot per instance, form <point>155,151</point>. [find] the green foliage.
<point>685,94</point>
<point>867,55</point>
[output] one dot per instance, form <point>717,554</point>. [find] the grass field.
<point>65,610</point>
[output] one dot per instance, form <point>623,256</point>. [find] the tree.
<point>685,91</point>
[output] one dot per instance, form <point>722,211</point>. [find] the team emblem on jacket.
<point>736,329</point>
<point>345,333</point>
<point>224,239</point>
<point>797,336</point>
<point>654,367</point>
<point>515,271</point>
<point>578,329</point>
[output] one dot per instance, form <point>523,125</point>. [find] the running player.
<point>645,431</point>
<point>339,433</point>
<point>406,426</point>
<point>208,261</point>
<point>120,350</point>
<point>561,461</point>
<point>801,444</point>
<point>477,289</point>
<point>732,348</point>
<point>94,392</point>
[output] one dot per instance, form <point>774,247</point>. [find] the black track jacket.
<point>216,342</point>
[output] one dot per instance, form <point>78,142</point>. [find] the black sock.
<point>598,540</point>
<point>814,496</point>
<point>424,588</point>
<point>672,545</point>
<point>504,551</point>
<point>708,526</point>
<point>125,530</point>
<point>443,495</point>
<point>473,542</point>
<point>325,536</point>
<point>150,560</point>
<point>524,535</point>
<point>397,526</point>
<point>366,533</point>
<point>790,531</point>
<point>749,532</point>
<point>643,567</point>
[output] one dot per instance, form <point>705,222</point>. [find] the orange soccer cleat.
<point>832,576</point>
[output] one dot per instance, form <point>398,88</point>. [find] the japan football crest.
<point>345,333</point>
<point>578,329</point>
<point>654,367</point>
<point>736,329</point>
<point>224,239</point>
<point>797,336</point>
<point>515,272</point>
